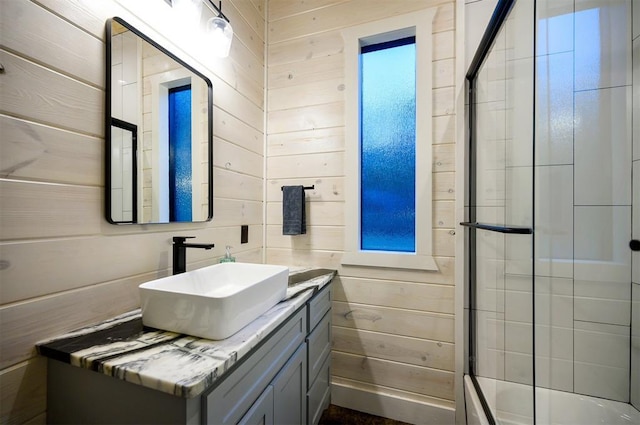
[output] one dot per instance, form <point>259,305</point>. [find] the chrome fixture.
<point>180,252</point>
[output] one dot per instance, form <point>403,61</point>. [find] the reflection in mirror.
<point>158,133</point>
<point>124,140</point>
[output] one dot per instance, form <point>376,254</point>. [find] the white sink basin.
<point>213,302</point>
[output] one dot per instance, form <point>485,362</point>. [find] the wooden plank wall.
<point>62,265</point>
<point>393,330</point>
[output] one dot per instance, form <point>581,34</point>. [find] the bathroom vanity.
<point>275,370</point>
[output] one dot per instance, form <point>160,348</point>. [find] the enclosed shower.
<point>554,215</point>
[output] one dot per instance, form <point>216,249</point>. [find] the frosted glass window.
<point>180,154</point>
<point>388,146</point>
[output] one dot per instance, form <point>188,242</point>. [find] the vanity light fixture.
<point>219,32</point>
<point>188,11</point>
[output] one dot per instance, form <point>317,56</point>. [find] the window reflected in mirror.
<point>159,133</point>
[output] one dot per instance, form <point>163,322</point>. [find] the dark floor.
<point>336,415</point>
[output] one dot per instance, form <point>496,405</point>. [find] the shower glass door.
<point>501,106</point>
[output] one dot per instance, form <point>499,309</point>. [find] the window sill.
<point>390,260</point>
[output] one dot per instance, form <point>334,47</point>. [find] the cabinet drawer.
<point>319,343</point>
<point>319,396</point>
<point>318,306</point>
<point>233,397</point>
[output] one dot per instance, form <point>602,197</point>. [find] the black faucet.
<point>180,252</point>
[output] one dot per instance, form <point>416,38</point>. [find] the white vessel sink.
<point>213,302</point>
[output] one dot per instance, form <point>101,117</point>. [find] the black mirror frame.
<point>109,121</point>
<point>133,129</point>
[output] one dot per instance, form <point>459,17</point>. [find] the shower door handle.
<point>518,230</point>
<point>634,244</point>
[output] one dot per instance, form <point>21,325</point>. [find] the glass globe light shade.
<point>220,36</point>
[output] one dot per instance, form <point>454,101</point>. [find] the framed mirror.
<point>158,133</point>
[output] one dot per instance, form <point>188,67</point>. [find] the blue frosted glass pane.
<point>388,117</point>
<point>180,154</point>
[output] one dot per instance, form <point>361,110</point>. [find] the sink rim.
<point>185,283</point>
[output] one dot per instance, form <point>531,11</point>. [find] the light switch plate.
<point>244,233</point>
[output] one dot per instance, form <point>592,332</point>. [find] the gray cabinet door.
<point>234,396</point>
<point>261,413</point>
<point>319,346</point>
<point>319,395</point>
<point>289,390</point>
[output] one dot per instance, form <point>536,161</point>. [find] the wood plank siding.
<point>62,265</point>
<point>393,330</point>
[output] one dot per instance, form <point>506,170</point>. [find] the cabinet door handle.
<point>634,244</point>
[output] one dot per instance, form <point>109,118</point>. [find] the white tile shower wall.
<point>116,74</point>
<point>125,75</point>
<point>554,145</point>
<point>518,202</point>
<point>518,328</point>
<point>635,287</point>
<point>636,93</point>
<point>518,302</point>
<point>554,109</point>
<point>554,221</point>
<point>519,254</point>
<point>490,344</point>
<point>635,346</point>
<point>490,199</point>
<point>554,192</point>
<point>124,80</point>
<point>519,33</point>
<point>519,83</point>
<point>480,11</point>
<point>602,302</point>
<point>518,367</point>
<point>553,331</point>
<point>602,264</point>
<point>601,246</point>
<point>635,223</point>
<point>519,112</point>
<point>583,193</point>
<point>603,146</point>
<point>554,29</point>
<point>116,102</point>
<point>490,271</point>
<point>592,101</point>
<point>490,182</point>
<point>605,23</point>
<point>635,9</point>
<point>518,337</point>
<point>554,340</point>
<point>504,196</point>
<point>130,78</point>
<point>601,362</point>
